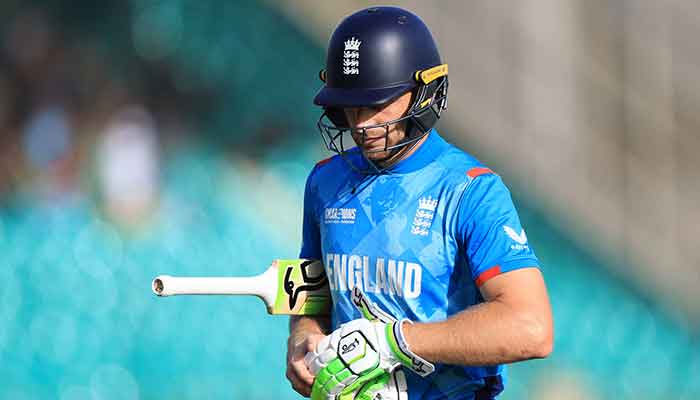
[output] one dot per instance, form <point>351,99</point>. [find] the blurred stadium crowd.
<point>148,137</point>
<point>121,159</point>
<point>74,112</point>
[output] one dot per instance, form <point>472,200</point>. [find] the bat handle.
<point>262,286</point>
<point>158,286</point>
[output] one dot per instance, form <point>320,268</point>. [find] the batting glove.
<point>361,352</point>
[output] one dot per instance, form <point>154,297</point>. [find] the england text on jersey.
<point>379,275</point>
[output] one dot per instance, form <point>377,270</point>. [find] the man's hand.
<point>297,372</point>
<point>361,352</point>
<point>346,359</point>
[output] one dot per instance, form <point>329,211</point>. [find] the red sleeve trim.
<point>476,171</point>
<point>324,161</point>
<point>488,274</point>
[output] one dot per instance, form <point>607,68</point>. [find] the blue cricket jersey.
<point>419,241</point>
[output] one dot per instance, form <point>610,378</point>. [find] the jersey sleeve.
<point>310,237</point>
<point>493,239</point>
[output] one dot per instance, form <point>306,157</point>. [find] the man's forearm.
<point>300,326</point>
<point>487,334</point>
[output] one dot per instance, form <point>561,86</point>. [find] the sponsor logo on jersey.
<point>380,275</point>
<point>424,216</point>
<point>520,239</point>
<point>351,57</point>
<point>339,215</point>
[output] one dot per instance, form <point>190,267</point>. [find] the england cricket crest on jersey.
<point>351,57</point>
<point>424,216</point>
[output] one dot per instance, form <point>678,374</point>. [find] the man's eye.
<point>356,112</point>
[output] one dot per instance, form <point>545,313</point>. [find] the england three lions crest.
<point>351,57</point>
<point>424,216</point>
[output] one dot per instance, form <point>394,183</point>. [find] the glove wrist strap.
<point>397,341</point>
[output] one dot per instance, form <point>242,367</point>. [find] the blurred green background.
<point>148,137</point>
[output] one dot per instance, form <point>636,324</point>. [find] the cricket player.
<point>424,230</point>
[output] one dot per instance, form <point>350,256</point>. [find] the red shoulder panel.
<point>324,161</point>
<point>476,171</point>
<point>488,274</point>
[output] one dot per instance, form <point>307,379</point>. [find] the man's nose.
<point>366,117</point>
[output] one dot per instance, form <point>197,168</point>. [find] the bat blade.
<point>302,288</point>
<point>288,287</point>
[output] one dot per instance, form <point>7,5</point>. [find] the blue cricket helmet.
<point>374,56</point>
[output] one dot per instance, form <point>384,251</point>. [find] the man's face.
<point>376,139</point>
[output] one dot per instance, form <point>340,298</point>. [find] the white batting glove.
<point>361,352</point>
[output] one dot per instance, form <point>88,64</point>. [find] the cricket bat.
<point>291,287</point>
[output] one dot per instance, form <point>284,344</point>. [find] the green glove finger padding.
<point>349,391</point>
<point>369,390</point>
<point>330,379</point>
<point>336,378</point>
